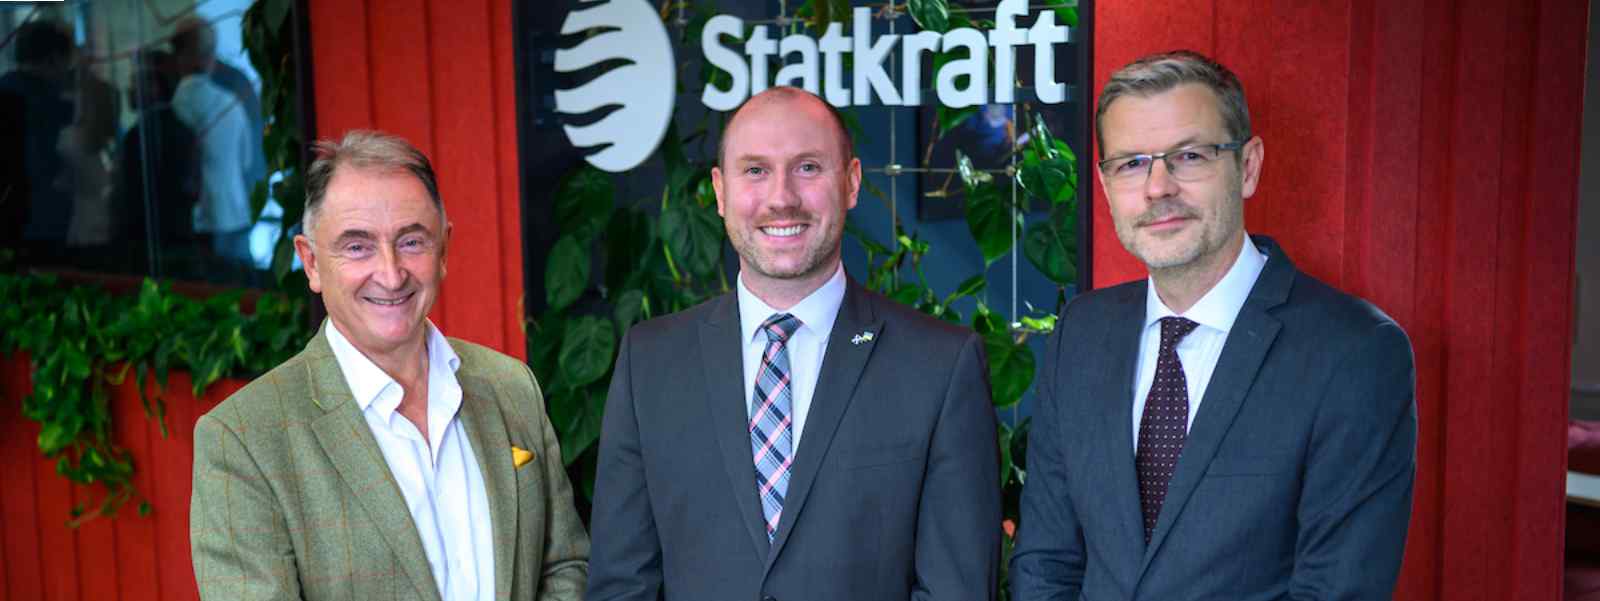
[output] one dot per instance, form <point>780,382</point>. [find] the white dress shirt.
<point>218,120</point>
<point>1199,351</point>
<point>806,346</point>
<point>438,476</point>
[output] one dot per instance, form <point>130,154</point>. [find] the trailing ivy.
<point>82,341</point>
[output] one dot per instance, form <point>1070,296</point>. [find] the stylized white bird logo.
<point>643,89</point>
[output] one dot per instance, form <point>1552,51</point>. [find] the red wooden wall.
<point>129,558</point>
<point>1422,154</point>
<point>442,75</point>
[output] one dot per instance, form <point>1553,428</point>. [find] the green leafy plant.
<point>619,262</point>
<point>269,40</point>
<point>82,341</point>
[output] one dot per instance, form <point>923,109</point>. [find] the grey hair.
<point>364,149</point>
<point>1157,73</point>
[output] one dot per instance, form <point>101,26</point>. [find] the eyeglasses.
<point>1187,164</point>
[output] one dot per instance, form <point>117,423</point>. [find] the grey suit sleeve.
<point>566,546</point>
<point>627,551</point>
<point>1047,562</point>
<point>1359,472</point>
<point>958,525</point>
<point>238,537</point>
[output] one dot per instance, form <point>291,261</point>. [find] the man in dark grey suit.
<point>1230,428</point>
<point>801,438</point>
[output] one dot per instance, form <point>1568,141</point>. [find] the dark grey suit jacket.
<point>1296,479</point>
<point>894,489</point>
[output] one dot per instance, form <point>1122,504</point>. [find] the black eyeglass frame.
<point>1235,145</point>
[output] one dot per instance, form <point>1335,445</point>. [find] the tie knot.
<point>780,327</point>
<point>1173,329</point>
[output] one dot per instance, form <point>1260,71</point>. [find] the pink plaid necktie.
<point>1165,423</point>
<point>771,423</point>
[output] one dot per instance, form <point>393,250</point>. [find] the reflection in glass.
<point>131,141</point>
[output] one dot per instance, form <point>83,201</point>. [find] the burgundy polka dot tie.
<point>1165,424</point>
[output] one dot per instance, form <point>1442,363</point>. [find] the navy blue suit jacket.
<point>894,491</point>
<point>1295,481</point>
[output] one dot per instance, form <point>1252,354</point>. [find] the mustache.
<point>1163,210</point>
<point>788,214</point>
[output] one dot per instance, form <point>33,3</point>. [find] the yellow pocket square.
<point>520,457</point>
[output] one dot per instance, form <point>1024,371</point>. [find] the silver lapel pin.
<point>862,337</point>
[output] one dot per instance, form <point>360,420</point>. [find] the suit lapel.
<point>350,446</point>
<point>486,432</point>
<point>842,364</point>
<point>721,352</point>
<point>1113,393</point>
<point>1242,355</point>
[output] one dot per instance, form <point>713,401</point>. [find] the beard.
<point>819,253</point>
<point>1206,234</point>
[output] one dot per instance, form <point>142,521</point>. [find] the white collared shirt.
<point>1199,351</point>
<point>806,346</point>
<point>439,477</point>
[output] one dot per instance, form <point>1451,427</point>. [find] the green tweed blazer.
<point>293,499</point>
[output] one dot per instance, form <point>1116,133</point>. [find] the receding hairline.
<point>845,142</point>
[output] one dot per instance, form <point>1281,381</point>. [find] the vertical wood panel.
<point>58,548</point>
<point>136,560</point>
<point>19,505</point>
<point>1306,128</point>
<point>1252,53</point>
<point>340,68</point>
<point>508,189</point>
<point>169,494</point>
<point>1557,74</point>
<point>1427,327</point>
<point>463,153</point>
<point>1473,462</point>
<point>97,567</point>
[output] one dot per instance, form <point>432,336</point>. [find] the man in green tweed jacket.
<point>385,461</point>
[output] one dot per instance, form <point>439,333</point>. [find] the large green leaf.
<point>584,203</point>
<point>1052,177</point>
<point>1049,169</point>
<point>586,350</point>
<point>950,118</point>
<point>1051,245</point>
<point>576,415</point>
<point>566,273</point>
<point>1011,366</point>
<point>628,239</point>
<point>931,15</point>
<point>990,221</point>
<point>694,236</point>
<point>544,345</point>
<point>631,307</point>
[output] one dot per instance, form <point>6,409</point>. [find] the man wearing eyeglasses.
<point>1230,427</point>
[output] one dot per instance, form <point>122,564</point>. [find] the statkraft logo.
<point>961,83</point>
<point>640,91</point>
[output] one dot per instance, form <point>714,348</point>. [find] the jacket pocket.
<point>866,456</point>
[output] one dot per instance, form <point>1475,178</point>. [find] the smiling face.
<point>378,258</point>
<point>783,188</point>
<point>1171,225</point>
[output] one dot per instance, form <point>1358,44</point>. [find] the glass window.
<point>133,141</point>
